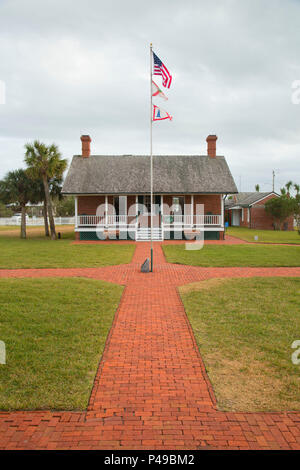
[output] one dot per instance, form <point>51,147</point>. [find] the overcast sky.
<point>73,67</point>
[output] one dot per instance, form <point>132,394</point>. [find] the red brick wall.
<point>212,202</point>
<point>131,200</point>
<point>259,219</point>
<point>110,202</point>
<point>88,204</point>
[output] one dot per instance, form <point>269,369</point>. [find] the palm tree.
<point>288,186</point>
<point>257,188</point>
<point>19,189</point>
<point>297,206</point>
<point>283,192</point>
<point>45,162</point>
<point>55,187</point>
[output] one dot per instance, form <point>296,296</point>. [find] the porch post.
<point>222,210</point>
<point>192,210</point>
<point>76,211</point>
<point>106,210</point>
<point>137,214</point>
<point>162,215</point>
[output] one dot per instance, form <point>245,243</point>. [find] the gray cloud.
<point>73,68</point>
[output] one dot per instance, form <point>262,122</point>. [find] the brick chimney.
<point>86,150</point>
<point>211,145</point>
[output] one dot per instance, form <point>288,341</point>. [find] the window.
<point>178,204</point>
<point>147,204</point>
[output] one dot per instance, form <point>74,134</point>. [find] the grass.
<point>55,332</point>
<point>244,329</point>
<point>37,252</point>
<point>265,236</point>
<point>32,231</point>
<point>234,255</point>
<point>9,228</point>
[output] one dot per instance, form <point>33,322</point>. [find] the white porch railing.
<point>94,220</point>
<point>212,219</point>
<point>167,220</point>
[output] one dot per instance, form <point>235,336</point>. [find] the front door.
<point>178,208</point>
<point>144,210</point>
<point>117,205</point>
<point>120,206</point>
<point>235,217</point>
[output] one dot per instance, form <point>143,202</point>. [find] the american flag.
<point>161,69</point>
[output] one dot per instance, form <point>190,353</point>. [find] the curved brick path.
<point>151,389</point>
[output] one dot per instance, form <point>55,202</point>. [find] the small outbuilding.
<point>248,210</point>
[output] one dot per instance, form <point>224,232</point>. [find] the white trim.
<point>126,206</point>
<point>222,209</point>
<point>106,210</point>
<point>145,192</point>
<point>206,229</point>
<point>162,215</point>
<point>76,212</point>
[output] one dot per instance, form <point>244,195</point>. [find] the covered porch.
<point>129,216</point>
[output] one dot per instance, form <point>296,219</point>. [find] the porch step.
<point>145,234</point>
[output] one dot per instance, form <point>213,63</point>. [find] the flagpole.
<point>151,159</point>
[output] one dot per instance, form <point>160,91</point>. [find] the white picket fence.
<point>36,221</point>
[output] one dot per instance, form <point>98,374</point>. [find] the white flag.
<point>159,114</point>
<point>156,91</point>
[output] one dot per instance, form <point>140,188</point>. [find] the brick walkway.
<point>151,389</point>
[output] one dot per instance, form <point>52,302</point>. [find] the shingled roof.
<point>246,199</point>
<point>130,174</point>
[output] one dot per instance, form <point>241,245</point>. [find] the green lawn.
<point>39,252</point>
<point>245,329</point>
<point>67,231</point>
<point>9,228</point>
<point>55,331</point>
<point>234,255</point>
<point>266,236</point>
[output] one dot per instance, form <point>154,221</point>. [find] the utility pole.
<point>273,181</point>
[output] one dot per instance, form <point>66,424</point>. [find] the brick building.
<point>248,210</point>
<point>112,194</point>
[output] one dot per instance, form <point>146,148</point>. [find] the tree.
<point>65,207</point>
<point>280,208</point>
<point>288,186</point>
<point>297,206</point>
<point>5,211</point>
<point>283,192</point>
<point>17,188</point>
<point>257,188</point>
<point>55,187</point>
<point>45,162</point>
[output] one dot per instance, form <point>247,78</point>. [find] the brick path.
<point>151,389</point>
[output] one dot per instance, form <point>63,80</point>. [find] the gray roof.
<point>246,199</point>
<point>130,174</point>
